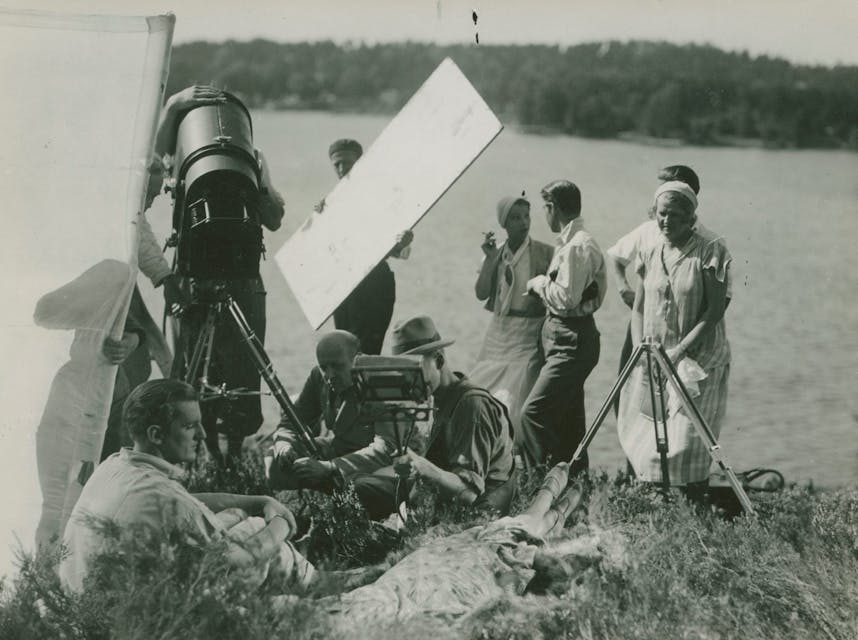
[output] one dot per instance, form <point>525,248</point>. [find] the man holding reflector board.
<point>389,189</point>
<point>367,311</point>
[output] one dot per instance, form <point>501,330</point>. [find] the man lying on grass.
<point>140,487</point>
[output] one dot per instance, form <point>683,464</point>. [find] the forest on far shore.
<point>694,94</point>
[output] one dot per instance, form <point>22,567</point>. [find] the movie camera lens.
<point>215,207</point>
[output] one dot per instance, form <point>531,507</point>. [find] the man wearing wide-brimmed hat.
<point>469,452</point>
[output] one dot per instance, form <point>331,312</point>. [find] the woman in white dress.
<point>680,301</point>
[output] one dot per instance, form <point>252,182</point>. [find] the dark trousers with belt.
<point>554,410</point>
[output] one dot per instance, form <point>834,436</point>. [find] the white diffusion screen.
<point>420,154</point>
<point>80,105</point>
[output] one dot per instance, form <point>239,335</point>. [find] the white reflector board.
<point>417,157</point>
<point>77,119</point>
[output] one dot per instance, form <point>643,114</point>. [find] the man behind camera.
<point>236,417</point>
<point>467,455</point>
<point>140,488</point>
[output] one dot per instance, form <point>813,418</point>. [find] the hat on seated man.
<point>468,456</point>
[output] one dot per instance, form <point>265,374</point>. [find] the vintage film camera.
<point>397,392</point>
<point>216,185</point>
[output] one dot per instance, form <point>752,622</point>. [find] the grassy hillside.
<point>792,572</point>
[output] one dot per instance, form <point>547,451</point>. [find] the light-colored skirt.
<point>688,458</point>
<point>507,366</point>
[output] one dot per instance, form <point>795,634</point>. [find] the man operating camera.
<point>237,414</point>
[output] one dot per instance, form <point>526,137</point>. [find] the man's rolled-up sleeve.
<point>475,429</point>
<point>271,203</point>
<point>150,257</point>
<point>165,510</point>
<point>626,248</point>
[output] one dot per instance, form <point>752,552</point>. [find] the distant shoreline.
<point>647,92</point>
<point>633,137</point>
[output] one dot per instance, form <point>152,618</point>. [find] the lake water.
<point>790,219</point>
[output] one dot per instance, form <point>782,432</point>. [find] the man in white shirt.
<point>572,291</point>
<point>139,488</point>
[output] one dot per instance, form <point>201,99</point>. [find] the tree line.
<point>695,94</point>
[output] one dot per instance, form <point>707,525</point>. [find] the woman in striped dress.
<point>680,301</point>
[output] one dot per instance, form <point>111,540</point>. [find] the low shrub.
<point>790,572</point>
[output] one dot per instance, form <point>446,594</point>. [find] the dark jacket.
<point>348,429</point>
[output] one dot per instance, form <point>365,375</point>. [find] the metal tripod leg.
<point>658,411</point>
<point>702,428</point>
<point>657,350</point>
<point>266,370</point>
<point>203,349</point>
<point>606,407</point>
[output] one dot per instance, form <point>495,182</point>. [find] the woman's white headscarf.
<point>505,206</point>
<point>676,186</point>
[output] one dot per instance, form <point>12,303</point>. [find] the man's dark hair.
<point>681,173</point>
<point>152,403</point>
<point>565,195</point>
<point>345,144</point>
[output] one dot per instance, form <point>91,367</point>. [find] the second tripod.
<point>660,369</point>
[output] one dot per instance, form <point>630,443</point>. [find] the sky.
<point>802,31</point>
